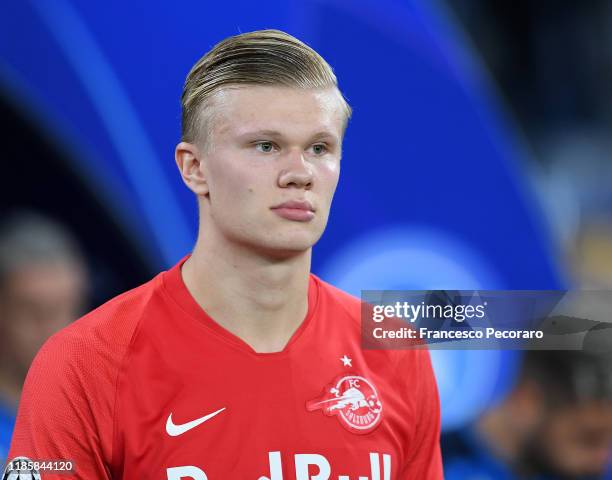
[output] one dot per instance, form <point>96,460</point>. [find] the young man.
<point>237,363</point>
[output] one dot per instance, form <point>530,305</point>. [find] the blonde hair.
<point>263,57</point>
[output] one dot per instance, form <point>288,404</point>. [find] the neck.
<point>258,298</point>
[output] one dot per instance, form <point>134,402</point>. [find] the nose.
<point>297,171</point>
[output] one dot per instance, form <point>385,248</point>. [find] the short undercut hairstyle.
<point>263,57</point>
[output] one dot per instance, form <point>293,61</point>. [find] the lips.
<point>295,210</point>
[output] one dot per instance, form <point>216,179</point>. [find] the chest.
<point>214,413</point>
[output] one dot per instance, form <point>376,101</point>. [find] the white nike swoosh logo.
<point>175,430</point>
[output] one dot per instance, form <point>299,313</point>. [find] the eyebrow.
<point>275,133</point>
<point>256,133</point>
<point>324,133</point>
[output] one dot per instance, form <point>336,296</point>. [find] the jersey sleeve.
<point>425,460</point>
<point>65,412</point>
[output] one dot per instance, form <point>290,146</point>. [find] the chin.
<point>283,247</point>
<point>292,247</point>
<point>276,242</point>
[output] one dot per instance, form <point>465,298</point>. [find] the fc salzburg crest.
<point>354,400</point>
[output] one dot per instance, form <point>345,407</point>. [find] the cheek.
<point>329,175</point>
<point>230,183</point>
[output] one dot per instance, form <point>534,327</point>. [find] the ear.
<point>189,161</point>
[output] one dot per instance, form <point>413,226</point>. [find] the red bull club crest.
<point>354,400</point>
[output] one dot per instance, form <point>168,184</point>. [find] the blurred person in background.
<point>555,424</point>
<point>43,287</point>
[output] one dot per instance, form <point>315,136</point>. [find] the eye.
<point>264,147</point>
<point>319,149</point>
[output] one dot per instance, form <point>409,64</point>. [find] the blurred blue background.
<point>455,172</point>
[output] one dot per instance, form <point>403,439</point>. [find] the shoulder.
<point>332,297</point>
<point>95,343</point>
<point>119,315</point>
<point>341,305</point>
<point>67,405</point>
<point>70,386</point>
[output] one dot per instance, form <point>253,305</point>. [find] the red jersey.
<point>148,386</point>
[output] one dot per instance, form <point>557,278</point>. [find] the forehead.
<point>283,109</point>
